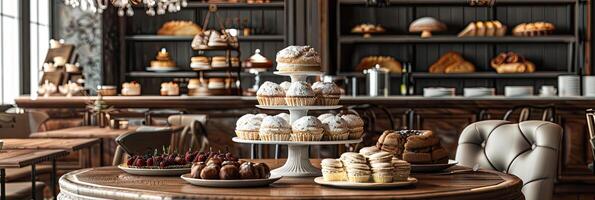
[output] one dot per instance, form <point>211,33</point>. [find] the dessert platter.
<point>297,129</point>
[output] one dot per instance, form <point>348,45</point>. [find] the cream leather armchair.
<point>528,150</point>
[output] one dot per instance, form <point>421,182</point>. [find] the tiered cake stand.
<point>298,161</point>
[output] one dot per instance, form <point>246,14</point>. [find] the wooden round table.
<point>112,183</point>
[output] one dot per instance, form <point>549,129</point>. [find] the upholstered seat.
<point>528,150</point>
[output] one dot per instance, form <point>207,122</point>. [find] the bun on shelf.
<point>180,28</point>
<point>386,62</point>
<point>511,62</point>
<point>484,29</point>
<point>452,62</point>
<point>533,29</point>
<point>368,29</point>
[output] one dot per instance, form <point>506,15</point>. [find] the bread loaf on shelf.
<point>179,28</point>
<point>452,62</point>
<point>511,62</point>
<point>386,62</point>
<point>484,29</point>
<point>533,29</point>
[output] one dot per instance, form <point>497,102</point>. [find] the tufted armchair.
<point>528,150</point>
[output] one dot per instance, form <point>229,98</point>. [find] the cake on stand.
<point>298,161</point>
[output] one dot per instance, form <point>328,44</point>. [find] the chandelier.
<point>124,7</point>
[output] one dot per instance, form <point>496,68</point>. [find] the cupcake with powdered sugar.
<point>300,93</point>
<point>335,128</point>
<point>270,94</point>
<point>285,85</point>
<point>298,58</point>
<point>274,128</point>
<point>327,93</point>
<point>248,126</point>
<point>285,116</point>
<point>355,124</point>
<point>307,128</point>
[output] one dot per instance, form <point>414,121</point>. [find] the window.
<point>12,71</point>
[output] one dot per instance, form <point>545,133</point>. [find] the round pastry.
<point>358,173</point>
<point>219,61</point>
<point>380,157</point>
<point>274,128</point>
<point>402,169</point>
<point>325,115</point>
<point>285,85</point>
<point>367,151</point>
<point>231,162</point>
<point>270,94</point>
<point>335,128</point>
<point>196,169</point>
<point>332,170</point>
<point>327,93</point>
<point>248,126</point>
<point>247,171</point>
<point>262,170</point>
<point>298,58</point>
<point>352,157</point>
<point>215,161</point>
<point>229,172</point>
<point>355,124</point>
<point>382,172</point>
<point>199,62</point>
<point>307,128</point>
<point>285,116</point>
<point>300,94</point>
<point>210,172</point>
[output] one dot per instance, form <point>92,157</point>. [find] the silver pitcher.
<point>377,81</point>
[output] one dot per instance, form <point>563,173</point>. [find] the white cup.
<point>589,86</point>
<point>547,90</point>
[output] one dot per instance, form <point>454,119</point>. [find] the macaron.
<point>380,156</point>
<point>367,151</point>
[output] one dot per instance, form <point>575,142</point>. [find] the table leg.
<point>53,179</point>
<point>33,179</point>
<point>3,184</point>
<point>101,163</point>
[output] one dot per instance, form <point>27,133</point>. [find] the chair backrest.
<point>528,150</point>
<point>142,141</point>
<point>526,112</point>
<point>591,128</point>
<point>194,135</point>
<point>21,125</point>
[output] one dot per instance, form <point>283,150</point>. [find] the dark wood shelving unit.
<point>554,55</point>
<point>168,38</point>
<point>274,4</point>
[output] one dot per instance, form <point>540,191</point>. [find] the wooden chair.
<point>21,125</point>
<point>194,127</point>
<point>591,127</point>
<point>527,112</point>
<point>141,141</point>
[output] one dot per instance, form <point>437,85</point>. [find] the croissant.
<point>451,62</point>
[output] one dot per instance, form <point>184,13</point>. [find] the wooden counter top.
<point>229,102</point>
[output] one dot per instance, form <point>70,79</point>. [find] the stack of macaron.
<point>298,93</point>
<point>332,170</point>
<point>382,168</point>
<point>356,167</point>
<point>401,169</point>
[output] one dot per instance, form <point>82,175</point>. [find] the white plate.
<point>300,107</point>
<point>433,167</point>
<point>154,172</point>
<point>365,186</point>
<point>238,183</point>
<point>238,140</point>
<point>162,69</point>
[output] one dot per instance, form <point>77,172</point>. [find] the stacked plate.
<point>518,91</point>
<point>569,85</point>
<point>439,92</point>
<point>479,92</point>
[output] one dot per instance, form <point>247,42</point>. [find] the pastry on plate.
<point>413,146</point>
<point>170,89</point>
<point>270,94</point>
<point>307,128</point>
<point>382,172</point>
<point>367,151</point>
<point>162,60</point>
<point>452,62</point>
<point>274,128</point>
<point>199,62</point>
<point>335,128</point>
<point>402,169</point>
<point>426,25</point>
<point>327,93</point>
<point>248,127</point>
<point>356,166</point>
<point>332,170</point>
<point>300,93</point>
<point>533,29</point>
<point>131,89</point>
<point>298,58</point>
<point>355,124</point>
<point>181,28</point>
<point>511,62</point>
<point>386,62</point>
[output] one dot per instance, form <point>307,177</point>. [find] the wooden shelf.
<point>490,75</point>
<point>459,2</point>
<point>170,38</point>
<point>273,4</point>
<point>177,74</point>
<point>348,39</point>
<point>219,69</point>
<point>358,74</point>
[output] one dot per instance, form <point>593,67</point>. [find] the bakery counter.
<point>231,102</point>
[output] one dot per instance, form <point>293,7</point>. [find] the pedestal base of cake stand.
<point>297,164</point>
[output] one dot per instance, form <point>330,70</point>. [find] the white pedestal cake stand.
<point>298,161</point>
